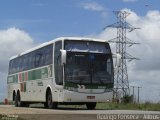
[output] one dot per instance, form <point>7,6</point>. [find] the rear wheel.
<point>91,106</point>
<point>18,102</point>
<point>14,100</point>
<point>49,103</point>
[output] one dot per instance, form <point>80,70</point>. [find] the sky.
<point>27,23</point>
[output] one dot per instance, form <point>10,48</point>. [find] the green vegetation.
<point>129,106</point>
<point>110,106</point>
<point>127,99</point>
<point>118,106</point>
<point>10,117</point>
<point>2,103</point>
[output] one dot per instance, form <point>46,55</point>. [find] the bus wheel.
<point>49,103</point>
<point>14,100</point>
<point>91,106</point>
<point>25,104</point>
<point>18,102</point>
<point>45,105</point>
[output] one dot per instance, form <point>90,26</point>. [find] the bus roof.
<point>57,39</point>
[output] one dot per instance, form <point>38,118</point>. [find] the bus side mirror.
<point>118,60</point>
<point>63,56</point>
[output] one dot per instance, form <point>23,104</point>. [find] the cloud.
<point>3,88</point>
<point>12,41</point>
<point>39,4</point>
<point>130,0</point>
<point>146,71</point>
<point>94,6</point>
<point>149,36</point>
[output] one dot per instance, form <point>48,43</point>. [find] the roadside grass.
<point>148,106</point>
<point>10,117</point>
<point>1,103</point>
<point>129,106</point>
<point>119,106</point>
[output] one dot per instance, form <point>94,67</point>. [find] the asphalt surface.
<point>79,114</point>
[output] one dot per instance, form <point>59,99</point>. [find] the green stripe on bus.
<point>37,74</point>
<point>23,78</point>
<point>13,79</point>
<point>44,73</point>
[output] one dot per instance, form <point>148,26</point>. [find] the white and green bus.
<point>66,70</point>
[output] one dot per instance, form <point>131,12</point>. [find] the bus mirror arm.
<point>63,56</point>
<point>118,60</point>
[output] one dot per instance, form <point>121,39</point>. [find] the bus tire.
<point>18,102</point>
<point>45,105</point>
<point>49,103</point>
<point>25,104</point>
<point>14,100</point>
<point>91,106</point>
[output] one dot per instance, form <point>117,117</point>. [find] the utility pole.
<point>138,87</point>
<point>121,75</point>
<point>133,93</point>
<point>138,93</point>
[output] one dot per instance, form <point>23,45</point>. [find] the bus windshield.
<point>88,63</point>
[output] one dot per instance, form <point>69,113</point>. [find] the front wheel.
<point>49,103</point>
<point>91,106</point>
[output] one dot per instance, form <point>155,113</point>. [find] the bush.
<point>127,99</point>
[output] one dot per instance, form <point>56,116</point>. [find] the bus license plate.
<point>90,97</point>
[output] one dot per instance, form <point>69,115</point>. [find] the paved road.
<point>69,114</point>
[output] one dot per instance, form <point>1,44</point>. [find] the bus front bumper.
<point>72,96</point>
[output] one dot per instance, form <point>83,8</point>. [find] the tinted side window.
<point>25,61</point>
<point>48,55</point>
<point>38,58</point>
<point>30,61</point>
<point>43,56</point>
<point>11,67</point>
<point>57,63</point>
<point>16,61</point>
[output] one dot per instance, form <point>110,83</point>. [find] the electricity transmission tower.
<point>121,76</point>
